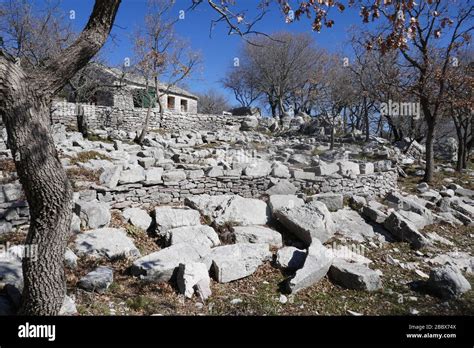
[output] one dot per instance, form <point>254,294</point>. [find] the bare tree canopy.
<point>34,34</point>
<point>161,56</point>
<point>212,102</point>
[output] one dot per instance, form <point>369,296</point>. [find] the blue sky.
<point>219,50</point>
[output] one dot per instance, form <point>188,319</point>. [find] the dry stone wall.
<point>14,210</point>
<point>131,119</point>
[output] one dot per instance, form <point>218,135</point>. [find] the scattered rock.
<point>333,201</point>
<point>137,217</point>
<point>404,230</point>
<point>98,280</point>
<point>283,187</point>
<point>312,220</point>
<point>315,267</point>
<point>160,266</point>
<point>257,234</point>
<point>244,212</point>
<point>279,202</point>
<point>258,169</point>
<point>11,272</point>
<point>290,258</point>
<point>190,275</point>
<point>279,170</point>
<point>347,168</point>
<point>110,176</point>
<point>173,176</point>
<point>68,307</point>
<point>112,243</point>
<point>422,187</point>
<point>232,262</point>
<point>354,276</point>
<point>351,225</point>
<point>326,169</point>
<point>93,214</point>
<point>70,259</point>
<point>374,214</point>
<point>234,210</point>
<point>447,282</point>
<point>167,218</point>
<point>199,234</point>
<point>153,176</point>
<point>132,175</point>
<point>461,260</point>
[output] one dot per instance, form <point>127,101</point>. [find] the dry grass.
<point>143,241</point>
<point>86,156</point>
<point>94,137</point>
<point>260,292</point>
<point>409,184</point>
<point>8,169</point>
<point>7,165</point>
<point>82,174</point>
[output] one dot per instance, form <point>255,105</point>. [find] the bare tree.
<point>460,106</point>
<point>278,66</point>
<point>336,93</point>
<point>33,34</point>
<point>243,84</point>
<point>159,54</point>
<point>211,102</point>
<point>26,95</point>
<point>413,29</point>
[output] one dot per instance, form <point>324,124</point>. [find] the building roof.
<point>136,80</point>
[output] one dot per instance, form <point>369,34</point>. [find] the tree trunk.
<point>25,102</point>
<point>430,136</point>
<point>460,161</point>
<point>367,123</point>
<point>139,139</point>
<point>82,125</point>
<point>47,189</point>
<point>160,105</point>
<point>458,126</point>
<point>273,107</point>
<point>332,137</point>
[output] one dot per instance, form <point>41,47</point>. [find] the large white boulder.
<point>310,221</point>
<point>231,262</point>
<point>112,243</point>
<point>170,217</point>
<point>160,266</point>
<point>258,234</point>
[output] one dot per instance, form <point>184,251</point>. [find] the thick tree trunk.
<point>25,101</point>
<point>47,190</point>
<point>430,136</point>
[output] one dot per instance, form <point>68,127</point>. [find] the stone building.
<point>127,91</point>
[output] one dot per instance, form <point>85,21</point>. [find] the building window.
<point>142,99</point>
<point>184,105</point>
<point>171,103</point>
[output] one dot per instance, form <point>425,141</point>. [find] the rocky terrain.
<point>249,219</point>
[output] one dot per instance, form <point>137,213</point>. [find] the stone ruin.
<point>224,196</point>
